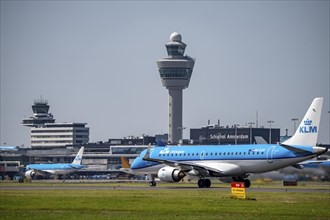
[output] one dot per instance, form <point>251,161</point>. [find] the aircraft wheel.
<point>247,183</point>
<point>207,183</point>
<point>204,183</point>
<point>152,183</point>
<point>201,183</point>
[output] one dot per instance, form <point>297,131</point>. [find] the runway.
<point>167,187</point>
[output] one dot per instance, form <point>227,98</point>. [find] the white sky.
<point>95,62</point>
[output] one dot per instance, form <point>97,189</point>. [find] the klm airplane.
<point>56,169</point>
<point>232,162</point>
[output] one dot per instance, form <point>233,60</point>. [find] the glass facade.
<point>175,50</point>
<point>184,73</point>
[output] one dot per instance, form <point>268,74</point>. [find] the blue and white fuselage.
<point>231,160</point>
<point>172,163</point>
<point>55,168</point>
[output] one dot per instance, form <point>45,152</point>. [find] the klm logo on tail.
<point>308,128</point>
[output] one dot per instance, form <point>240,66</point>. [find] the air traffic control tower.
<point>175,72</point>
<point>40,114</point>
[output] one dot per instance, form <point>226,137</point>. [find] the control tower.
<point>175,71</point>
<point>40,114</point>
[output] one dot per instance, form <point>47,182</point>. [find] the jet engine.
<point>170,174</point>
<point>29,174</point>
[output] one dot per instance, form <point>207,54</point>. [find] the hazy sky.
<point>95,62</point>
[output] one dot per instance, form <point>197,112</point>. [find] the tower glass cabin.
<point>175,71</point>
<point>40,116</point>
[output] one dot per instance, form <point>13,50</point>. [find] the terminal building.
<point>53,135</point>
<point>219,135</point>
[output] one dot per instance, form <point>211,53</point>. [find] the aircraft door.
<point>270,154</point>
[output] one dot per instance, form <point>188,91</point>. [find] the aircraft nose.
<point>320,150</point>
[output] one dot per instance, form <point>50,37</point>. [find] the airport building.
<point>55,135</point>
<point>45,133</point>
<point>219,135</point>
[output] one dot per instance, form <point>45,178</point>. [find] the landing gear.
<point>152,183</point>
<point>247,182</point>
<point>204,183</point>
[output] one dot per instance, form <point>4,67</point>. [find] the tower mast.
<point>175,71</point>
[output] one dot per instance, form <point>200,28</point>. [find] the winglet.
<point>147,155</point>
<point>160,143</point>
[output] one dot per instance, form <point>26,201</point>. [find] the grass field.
<point>160,204</point>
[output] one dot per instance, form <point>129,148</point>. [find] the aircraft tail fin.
<point>78,158</point>
<point>307,132</point>
<point>124,163</point>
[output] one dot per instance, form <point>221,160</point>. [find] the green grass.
<point>159,204</point>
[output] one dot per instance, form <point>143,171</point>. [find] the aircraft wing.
<point>313,163</point>
<point>184,165</point>
<point>39,172</point>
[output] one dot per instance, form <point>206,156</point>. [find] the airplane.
<point>315,164</point>
<point>8,148</point>
<point>33,170</point>
<point>232,162</point>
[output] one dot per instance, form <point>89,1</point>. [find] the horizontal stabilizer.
<point>75,166</point>
<point>295,149</point>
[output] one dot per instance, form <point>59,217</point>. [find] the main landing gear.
<point>204,183</point>
<point>247,182</point>
<point>152,183</point>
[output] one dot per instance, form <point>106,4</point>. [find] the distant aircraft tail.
<point>78,158</point>
<point>124,162</point>
<point>307,132</point>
